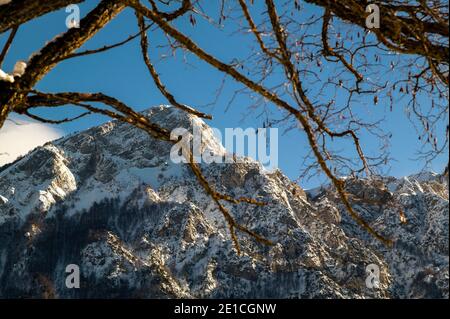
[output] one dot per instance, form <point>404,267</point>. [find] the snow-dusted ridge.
<point>110,200</point>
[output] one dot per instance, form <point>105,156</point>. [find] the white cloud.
<point>17,140</point>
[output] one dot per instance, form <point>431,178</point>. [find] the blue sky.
<point>122,74</point>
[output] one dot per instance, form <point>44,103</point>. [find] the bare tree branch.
<point>8,43</point>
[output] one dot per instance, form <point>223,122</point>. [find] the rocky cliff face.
<point>139,226</point>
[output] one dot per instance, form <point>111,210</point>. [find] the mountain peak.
<point>110,200</point>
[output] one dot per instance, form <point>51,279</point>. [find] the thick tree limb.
<point>21,11</point>
<point>40,64</point>
<point>400,32</point>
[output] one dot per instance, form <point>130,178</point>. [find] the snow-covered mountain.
<point>139,226</point>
